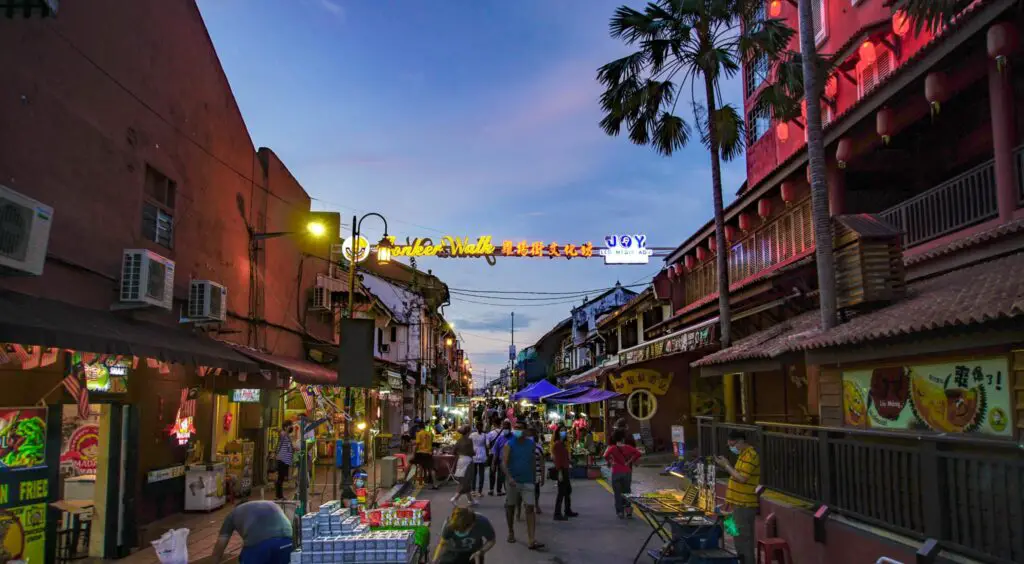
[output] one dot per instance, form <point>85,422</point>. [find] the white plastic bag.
<point>172,547</point>
<point>462,465</point>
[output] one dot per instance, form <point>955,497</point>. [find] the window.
<point>641,405</point>
<point>756,69</point>
<point>820,12</point>
<point>758,123</point>
<point>158,208</point>
<point>394,333</point>
<point>871,75</point>
<point>380,337</point>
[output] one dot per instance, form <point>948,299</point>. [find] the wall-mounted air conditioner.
<point>321,299</point>
<point>24,233</point>
<point>207,301</point>
<point>147,279</point>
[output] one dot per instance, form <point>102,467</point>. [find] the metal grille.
<point>131,277</point>
<point>15,227</point>
<point>197,300</point>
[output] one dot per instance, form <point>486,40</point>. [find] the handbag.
<point>553,474</point>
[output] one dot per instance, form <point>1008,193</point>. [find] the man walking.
<point>742,493</point>
<point>518,459</point>
<point>424,457</point>
<point>265,530</point>
<point>497,449</point>
<point>285,456</point>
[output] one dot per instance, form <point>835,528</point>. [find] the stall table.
<point>672,520</point>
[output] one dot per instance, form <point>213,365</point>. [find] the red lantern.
<point>712,244</point>
<point>1002,42</point>
<point>679,270</point>
<point>788,192</point>
<point>690,262</point>
<point>782,131</point>
<point>746,222</point>
<point>702,255</point>
<point>935,90</point>
<point>832,86</point>
<point>900,23</point>
<point>730,233</point>
<point>867,52</point>
<point>764,208</point>
<point>671,272</point>
<point>883,123</point>
<point>843,153</point>
<point>775,8</point>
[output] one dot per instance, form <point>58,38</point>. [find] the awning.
<point>593,395</point>
<point>29,320</point>
<point>536,391</point>
<point>302,371</point>
<point>591,376</point>
<point>569,392</point>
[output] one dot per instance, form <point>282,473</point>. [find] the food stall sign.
<point>22,438</point>
<point>165,474</point>
<point>245,395</point>
<point>183,430</point>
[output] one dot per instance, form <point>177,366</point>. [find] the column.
<point>836,178</point>
<point>1004,137</point>
<point>729,393</point>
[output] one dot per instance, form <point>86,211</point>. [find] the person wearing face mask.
<point>560,454</point>
<point>621,458</point>
<point>465,538</point>
<point>741,496</point>
<point>518,461</point>
<point>504,434</point>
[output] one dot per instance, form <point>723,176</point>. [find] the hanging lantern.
<point>671,272</point>
<point>678,268</point>
<point>843,153</point>
<point>730,233</point>
<point>832,86</point>
<point>867,52</point>
<point>782,131</point>
<point>883,123</point>
<point>935,90</point>
<point>702,255</point>
<point>900,23</point>
<point>712,244</point>
<point>775,8</point>
<point>689,262</point>
<point>788,192</point>
<point>746,222</point>
<point>764,208</point>
<point>1002,42</point>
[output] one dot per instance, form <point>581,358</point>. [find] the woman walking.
<point>479,456</point>
<point>464,467</point>
<point>285,456</point>
<point>560,454</point>
<point>621,458</point>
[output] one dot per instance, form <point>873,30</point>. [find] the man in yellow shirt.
<point>424,457</point>
<point>742,493</point>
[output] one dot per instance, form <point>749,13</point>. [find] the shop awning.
<point>593,395</point>
<point>536,391</point>
<point>29,320</point>
<point>301,371</point>
<point>569,392</point>
<point>591,376</point>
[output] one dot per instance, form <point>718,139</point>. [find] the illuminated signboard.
<point>361,250</point>
<point>183,430</point>
<point>246,395</point>
<point>107,375</point>
<point>22,437</point>
<point>626,249</point>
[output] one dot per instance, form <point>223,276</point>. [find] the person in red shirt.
<point>560,454</point>
<point>621,457</point>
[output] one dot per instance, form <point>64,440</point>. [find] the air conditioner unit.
<point>24,233</point>
<point>207,301</point>
<point>321,299</point>
<point>147,278</point>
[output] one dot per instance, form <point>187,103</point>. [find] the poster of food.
<point>22,437</point>
<point>960,397</point>
<point>23,533</point>
<point>108,375</point>
<point>80,450</point>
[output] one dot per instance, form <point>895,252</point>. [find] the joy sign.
<point>626,249</point>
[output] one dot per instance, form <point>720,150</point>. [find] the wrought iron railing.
<point>963,492</point>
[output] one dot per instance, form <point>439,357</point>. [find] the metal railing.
<point>963,492</point>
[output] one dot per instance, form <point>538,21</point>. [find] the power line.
<point>518,299</point>
<point>468,291</point>
<point>464,300</point>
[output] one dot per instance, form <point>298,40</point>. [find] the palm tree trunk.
<point>722,254</point>
<point>821,216</point>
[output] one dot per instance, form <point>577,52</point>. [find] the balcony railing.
<point>964,493</point>
<point>777,241</point>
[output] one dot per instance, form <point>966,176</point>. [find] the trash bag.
<point>172,547</point>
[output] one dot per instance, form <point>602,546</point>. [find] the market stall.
<point>398,533</point>
<point>585,442</point>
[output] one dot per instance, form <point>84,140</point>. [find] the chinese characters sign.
<point>964,397</point>
<point>684,341</point>
<point>454,247</point>
<point>627,381</point>
<point>22,438</point>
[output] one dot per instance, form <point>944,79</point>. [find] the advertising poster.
<point>22,437</point>
<point>245,395</point>
<point>80,450</point>
<point>23,533</point>
<point>109,375</point>
<point>959,397</point>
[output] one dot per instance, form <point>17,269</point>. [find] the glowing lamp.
<point>900,23</point>
<point>775,8</point>
<point>764,208</point>
<point>384,250</point>
<point>679,269</point>
<point>746,222</point>
<point>788,192</point>
<point>361,425</point>
<point>449,342</point>
<point>867,52</point>
<point>689,261</point>
<point>316,229</point>
<point>843,152</point>
<point>832,86</point>
<point>883,124</point>
<point>782,131</point>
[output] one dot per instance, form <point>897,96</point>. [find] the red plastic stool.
<point>403,462</point>
<point>768,550</point>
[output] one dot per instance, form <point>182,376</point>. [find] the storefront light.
<point>361,425</point>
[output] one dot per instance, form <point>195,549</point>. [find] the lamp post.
<point>383,257</point>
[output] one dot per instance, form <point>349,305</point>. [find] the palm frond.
<point>771,38</point>
<point>930,14</point>
<point>729,124</point>
<point>671,133</point>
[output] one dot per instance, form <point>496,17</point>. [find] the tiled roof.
<point>608,317</point>
<point>967,242</point>
<point>974,295</point>
<point>867,225</point>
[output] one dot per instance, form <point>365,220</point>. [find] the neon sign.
<point>626,249</point>
<point>183,430</point>
<point>621,249</point>
<point>448,247</point>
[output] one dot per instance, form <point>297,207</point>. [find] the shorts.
<point>423,459</point>
<point>271,551</point>
<point>514,495</point>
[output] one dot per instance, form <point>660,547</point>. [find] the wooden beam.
<point>965,339</point>
<point>754,365</point>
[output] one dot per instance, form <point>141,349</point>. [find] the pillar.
<point>729,393</point>
<point>1004,136</point>
<point>836,178</point>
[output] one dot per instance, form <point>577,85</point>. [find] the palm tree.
<point>700,42</point>
<point>930,14</point>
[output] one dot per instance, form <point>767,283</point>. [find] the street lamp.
<point>313,228</point>
<point>449,342</point>
<point>383,257</point>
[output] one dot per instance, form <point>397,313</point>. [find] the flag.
<point>49,356</point>
<point>308,397</point>
<point>188,404</point>
<point>76,389</point>
<point>17,353</point>
<point>4,358</point>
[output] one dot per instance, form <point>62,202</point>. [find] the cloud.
<point>333,7</point>
<point>493,321</point>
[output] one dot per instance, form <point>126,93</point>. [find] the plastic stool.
<point>403,462</point>
<point>768,550</point>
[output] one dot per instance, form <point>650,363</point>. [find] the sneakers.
<point>560,517</point>
<point>571,514</point>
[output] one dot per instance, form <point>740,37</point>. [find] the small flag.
<point>4,358</point>
<point>308,397</point>
<point>76,389</point>
<point>49,356</point>
<point>152,363</point>
<point>34,356</point>
<point>17,353</point>
<point>188,404</point>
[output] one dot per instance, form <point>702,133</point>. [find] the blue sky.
<point>463,117</point>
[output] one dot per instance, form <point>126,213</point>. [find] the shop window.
<point>641,405</point>
<point>394,333</point>
<point>158,208</point>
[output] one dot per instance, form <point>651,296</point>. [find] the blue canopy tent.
<point>536,391</point>
<point>586,395</point>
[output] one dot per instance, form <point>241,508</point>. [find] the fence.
<point>965,493</point>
